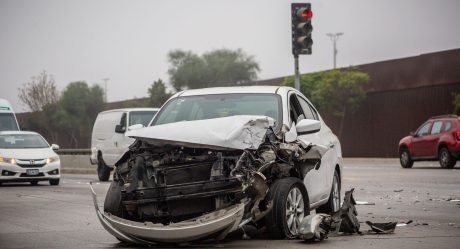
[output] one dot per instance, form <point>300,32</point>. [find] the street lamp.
<point>334,37</point>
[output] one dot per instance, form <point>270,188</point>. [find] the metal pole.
<point>105,88</point>
<point>334,37</point>
<point>297,74</point>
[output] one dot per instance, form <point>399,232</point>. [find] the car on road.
<point>26,156</point>
<point>108,140</point>
<point>215,159</point>
<point>436,139</point>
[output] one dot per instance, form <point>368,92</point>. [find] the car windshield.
<point>141,117</point>
<point>218,106</point>
<point>8,122</point>
<point>22,141</point>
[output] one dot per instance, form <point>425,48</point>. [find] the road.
<point>63,216</point>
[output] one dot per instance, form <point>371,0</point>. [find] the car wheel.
<point>34,183</point>
<point>54,182</point>
<point>103,171</point>
<point>405,159</point>
<point>446,160</point>
<point>333,203</point>
<point>290,206</point>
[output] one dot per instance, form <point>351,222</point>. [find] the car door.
<point>116,142</point>
<point>419,143</point>
<point>315,180</point>
<point>432,140</point>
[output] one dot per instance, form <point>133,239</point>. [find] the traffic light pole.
<point>296,73</point>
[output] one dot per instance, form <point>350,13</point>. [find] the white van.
<point>108,140</point>
<point>8,121</point>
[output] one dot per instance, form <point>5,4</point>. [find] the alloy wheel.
<point>294,210</point>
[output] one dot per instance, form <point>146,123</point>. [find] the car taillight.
<point>457,135</point>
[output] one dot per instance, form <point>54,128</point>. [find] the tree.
<point>221,67</point>
<point>337,92</point>
<point>40,96</point>
<point>78,108</point>
<point>41,91</point>
<point>158,94</point>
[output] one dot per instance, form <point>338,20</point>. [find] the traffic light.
<point>301,28</point>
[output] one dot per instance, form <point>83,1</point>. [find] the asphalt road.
<point>63,216</point>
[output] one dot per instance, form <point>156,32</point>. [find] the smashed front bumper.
<point>212,225</point>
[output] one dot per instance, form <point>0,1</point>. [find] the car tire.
<point>446,160</point>
<point>284,193</point>
<point>103,171</point>
<point>405,159</point>
<point>54,182</point>
<point>34,183</point>
<point>333,203</point>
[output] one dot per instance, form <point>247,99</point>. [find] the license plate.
<point>32,172</point>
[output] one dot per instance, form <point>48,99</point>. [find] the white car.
<point>215,159</point>
<point>108,140</point>
<point>25,156</point>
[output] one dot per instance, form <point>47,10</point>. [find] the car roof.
<point>18,133</point>
<point>233,89</point>
<point>448,116</point>
<point>132,109</point>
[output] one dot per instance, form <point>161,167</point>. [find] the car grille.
<point>31,165</point>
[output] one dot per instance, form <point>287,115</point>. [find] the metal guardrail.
<point>73,151</point>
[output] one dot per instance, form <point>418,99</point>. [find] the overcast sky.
<point>127,41</point>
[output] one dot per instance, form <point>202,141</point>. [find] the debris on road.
<point>364,203</point>
<point>398,190</point>
<point>386,228</point>
<point>404,224</point>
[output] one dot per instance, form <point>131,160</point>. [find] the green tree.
<point>338,92</point>
<point>158,94</point>
<point>221,67</point>
<point>78,108</point>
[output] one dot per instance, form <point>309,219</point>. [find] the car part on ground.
<point>103,171</point>
<point>199,186</point>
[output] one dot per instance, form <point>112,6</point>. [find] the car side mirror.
<point>120,129</point>
<point>55,147</point>
<point>412,134</point>
<point>135,127</point>
<point>307,126</point>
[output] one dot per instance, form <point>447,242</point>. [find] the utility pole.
<point>105,88</point>
<point>334,37</point>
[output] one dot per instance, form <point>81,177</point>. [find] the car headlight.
<point>7,160</point>
<point>52,159</point>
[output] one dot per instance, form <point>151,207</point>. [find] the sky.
<point>128,41</point>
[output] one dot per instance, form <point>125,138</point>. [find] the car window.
<point>7,122</point>
<point>424,130</point>
<point>447,125</point>
<point>436,128</point>
<point>22,141</point>
<point>141,117</point>
<point>201,107</point>
<point>308,110</point>
<point>123,120</point>
<point>295,110</point>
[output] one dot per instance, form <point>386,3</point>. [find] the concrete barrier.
<point>76,164</point>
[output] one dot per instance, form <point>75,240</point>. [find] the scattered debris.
<point>404,224</point>
<point>364,203</point>
<point>454,200</point>
<point>386,228</point>
<point>398,190</point>
<point>451,224</point>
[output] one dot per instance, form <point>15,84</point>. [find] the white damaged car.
<point>216,159</point>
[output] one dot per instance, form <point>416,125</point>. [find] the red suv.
<point>437,139</point>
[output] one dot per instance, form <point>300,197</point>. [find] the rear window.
<point>447,125</point>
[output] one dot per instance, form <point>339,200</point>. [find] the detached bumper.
<point>215,224</point>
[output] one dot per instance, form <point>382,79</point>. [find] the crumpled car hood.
<point>234,132</point>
